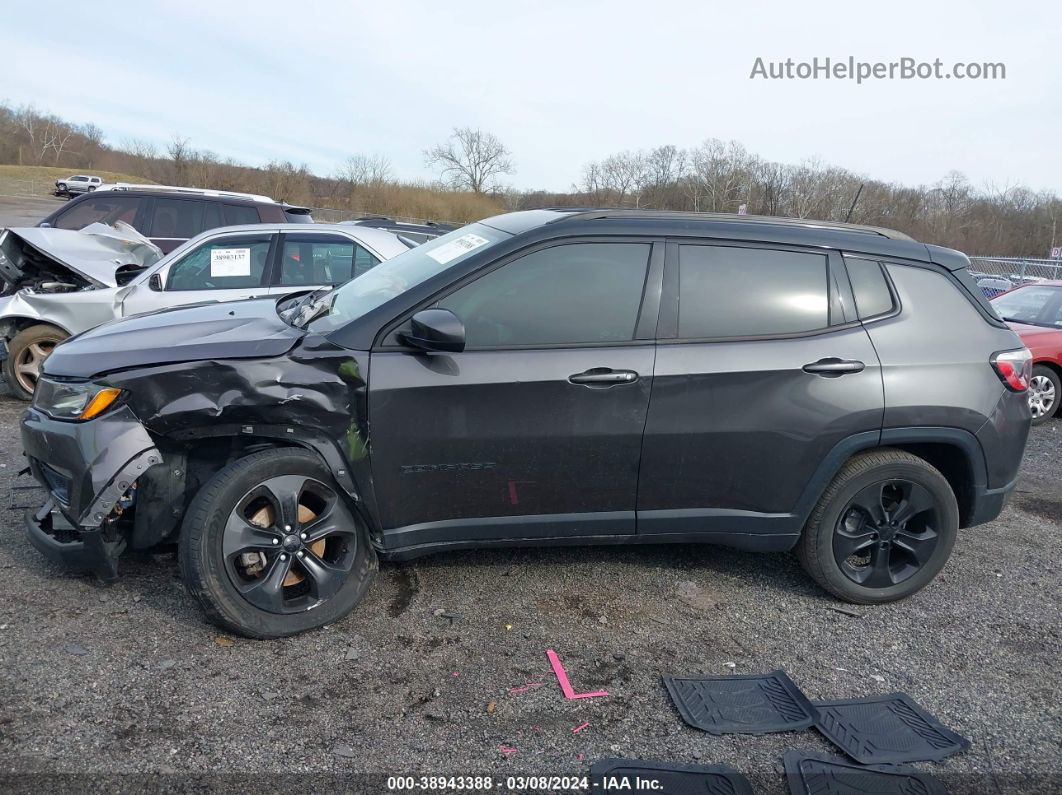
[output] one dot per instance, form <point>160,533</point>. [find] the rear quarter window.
<point>872,294</point>
<point>237,214</point>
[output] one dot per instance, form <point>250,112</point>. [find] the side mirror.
<point>435,330</point>
<point>155,283</point>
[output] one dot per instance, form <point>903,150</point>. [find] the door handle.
<point>603,376</point>
<point>832,367</point>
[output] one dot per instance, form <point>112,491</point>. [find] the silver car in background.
<point>77,183</point>
<point>60,282</point>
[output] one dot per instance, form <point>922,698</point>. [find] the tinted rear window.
<point>750,292</point>
<point>872,294</point>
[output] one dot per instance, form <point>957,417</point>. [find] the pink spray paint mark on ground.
<point>580,727</point>
<point>562,678</point>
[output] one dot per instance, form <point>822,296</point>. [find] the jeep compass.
<point>543,377</point>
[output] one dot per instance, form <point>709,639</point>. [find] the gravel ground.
<point>129,679</point>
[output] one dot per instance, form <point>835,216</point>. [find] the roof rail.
<point>224,194</point>
<point>590,215</point>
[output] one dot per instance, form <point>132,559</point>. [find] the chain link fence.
<point>995,275</point>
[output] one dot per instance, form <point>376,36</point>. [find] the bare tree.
<point>365,170</point>
<point>471,159</point>
<point>180,153</point>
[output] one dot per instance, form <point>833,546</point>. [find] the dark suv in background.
<point>171,216</point>
<point>543,377</point>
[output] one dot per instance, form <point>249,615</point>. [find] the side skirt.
<point>751,542</point>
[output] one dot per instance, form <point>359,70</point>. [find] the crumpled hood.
<point>93,253</point>
<point>229,330</point>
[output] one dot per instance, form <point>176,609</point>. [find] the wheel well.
<point>166,494</point>
<point>954,465</point>
<point>11,326</point>
<point>1053,366</point>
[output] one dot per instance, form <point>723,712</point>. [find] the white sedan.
<point>60,282</point>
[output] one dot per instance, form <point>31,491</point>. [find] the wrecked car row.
<point>170,215</point>
<point>492,388</point>
<point>59,282</point>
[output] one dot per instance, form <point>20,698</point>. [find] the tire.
<point>63,188</point>
<point>232,597</point>
<point>91,188</point>
<point>27,350</point>
<point>891,475</point>
<point>1045,390</point>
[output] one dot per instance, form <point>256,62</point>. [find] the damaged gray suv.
<point>540,378</point>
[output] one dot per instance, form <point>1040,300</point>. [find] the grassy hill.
<point>40,180</point>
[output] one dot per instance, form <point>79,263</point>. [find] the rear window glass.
<point>750,292</point>
<point>1033,305</point>
<point>872,294</point>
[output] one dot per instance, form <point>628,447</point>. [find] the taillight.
<point>1014,368</point>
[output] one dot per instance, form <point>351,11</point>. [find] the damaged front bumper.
<point>89,470</point>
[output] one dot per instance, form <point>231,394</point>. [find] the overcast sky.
<point>560,83</point>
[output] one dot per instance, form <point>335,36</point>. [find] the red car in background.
<point>1034,311</point>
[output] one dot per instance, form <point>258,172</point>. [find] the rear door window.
<point>211,216</point>
<point>177,218</point>
<point>729,291</point>
<point>99,208</point>
<point>322,259</point>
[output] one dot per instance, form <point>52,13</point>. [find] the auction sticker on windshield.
<point>230,262</point>
<point>455,248</point>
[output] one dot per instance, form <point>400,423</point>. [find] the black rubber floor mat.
<point>632,775</point>
<point>820,774</point>
<point>756,704</point>
<point>883,729</point>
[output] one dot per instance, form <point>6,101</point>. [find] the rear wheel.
<point>883,529</point>
<point>269,546</point>
<point>26,353</point>
<point>1044,392</point>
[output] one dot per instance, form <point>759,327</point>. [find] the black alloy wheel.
<point>289,544</point>
<point>886,533</point>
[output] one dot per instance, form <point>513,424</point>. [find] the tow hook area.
<point>95,550</point>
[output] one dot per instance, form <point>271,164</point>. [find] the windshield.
<point>389,279</point>
<point>1036,305</point>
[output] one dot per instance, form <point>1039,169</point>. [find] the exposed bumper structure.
<point>55,538</point>
<point>89,469</point>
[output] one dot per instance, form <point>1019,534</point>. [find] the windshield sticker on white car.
<point>230,262</point>
<point>455,248</point>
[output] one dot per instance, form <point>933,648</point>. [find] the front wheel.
<point>1044,391</point>
<point>269,547</point>
<point>26,353</point>
<point>883,529</point>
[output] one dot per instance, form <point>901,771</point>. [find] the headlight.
<point>73,401</point>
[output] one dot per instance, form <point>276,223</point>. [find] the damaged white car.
<point>60,282</point>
